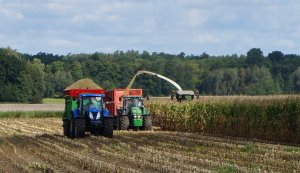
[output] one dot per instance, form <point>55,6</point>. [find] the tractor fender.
<point>106,113</point>
<point>75,113</point>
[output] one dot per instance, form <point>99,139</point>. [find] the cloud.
<point>172,26</point>
<point>2,36</point>
<point>195,18</point>
<point>206,39</point>
<point>63,43</point>
<point>11,14</point>
<point>285,43</point>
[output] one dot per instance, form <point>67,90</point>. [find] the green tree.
<point>276,56</point>
<point>38,79</point>
<point>254,57</point>
<point>295,80</point>
<point>76,70</point>
<point>20,80</point>
<point>259,81</point>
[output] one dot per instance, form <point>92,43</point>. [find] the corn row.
<point>269,119</point>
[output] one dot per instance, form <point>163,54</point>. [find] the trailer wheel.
<point>66,126</point>
<point>147,122</point>
<point>79,128</point>
<point>108,127</point>
<point>71,129</point>
<point>124,121</point>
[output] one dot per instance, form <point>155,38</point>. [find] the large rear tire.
<point>108,127</point>
<point>147,122</point>
<point>124,122</point>
<point>79,128</point>
<point>66,126</point>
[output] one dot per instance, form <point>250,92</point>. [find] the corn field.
<point>269,118</point>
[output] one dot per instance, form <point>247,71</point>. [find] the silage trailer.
<point>128,109</point>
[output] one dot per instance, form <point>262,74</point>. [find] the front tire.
<point>124,121</point>
<point>147,122</point>
<point>108,127</point>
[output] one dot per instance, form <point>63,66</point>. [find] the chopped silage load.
<point>84,84</point>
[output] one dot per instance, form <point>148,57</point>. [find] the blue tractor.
<point>86,113</point>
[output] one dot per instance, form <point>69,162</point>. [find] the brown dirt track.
<point>31,107</point>
<point>37,145</point>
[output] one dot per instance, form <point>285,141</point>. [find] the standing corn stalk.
<point>270,119</point>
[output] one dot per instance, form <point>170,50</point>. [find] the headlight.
<point>91,116</point>
<point>134,116</point>
<point>98,116</point>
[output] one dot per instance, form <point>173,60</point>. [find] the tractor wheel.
<point>108,127</point>
<point>147,122</point>
<point>66,126</point>
<point>124,122</point>
<point>79,128</point>
<point>71,129</point>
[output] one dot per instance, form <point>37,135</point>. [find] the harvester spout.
<point>162,77</point>
<point>154,74</point>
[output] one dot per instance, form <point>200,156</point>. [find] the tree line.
<point>29,78</point>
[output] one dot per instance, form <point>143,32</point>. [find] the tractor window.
<point>138,102</point>
<point>91,102</point>
<point>133,102</point>
<point>184,97</point>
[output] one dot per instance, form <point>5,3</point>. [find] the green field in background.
<point>32,114</point>
<point>53,101</point>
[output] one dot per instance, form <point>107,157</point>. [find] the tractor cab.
<point>184,95</point>
<point>132,101</point>
<point>92,106</point>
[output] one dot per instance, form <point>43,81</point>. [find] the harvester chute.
<point>153,74</point>
<point>180,94</point>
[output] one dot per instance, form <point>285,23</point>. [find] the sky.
<point>217,27</point>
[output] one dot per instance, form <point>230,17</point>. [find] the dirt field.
<point>31,107</point>
<point>37,145</point>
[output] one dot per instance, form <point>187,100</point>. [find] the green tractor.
<point>133,115</point>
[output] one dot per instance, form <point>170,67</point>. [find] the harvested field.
<point>37,145</point>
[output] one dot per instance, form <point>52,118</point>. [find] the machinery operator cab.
<point>133,102</point>
<point>91,103</point>
<point>92,106</point>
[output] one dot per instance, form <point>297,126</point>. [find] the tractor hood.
<point>94,113</point>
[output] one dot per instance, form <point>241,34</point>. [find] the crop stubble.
<point>37,145</point>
